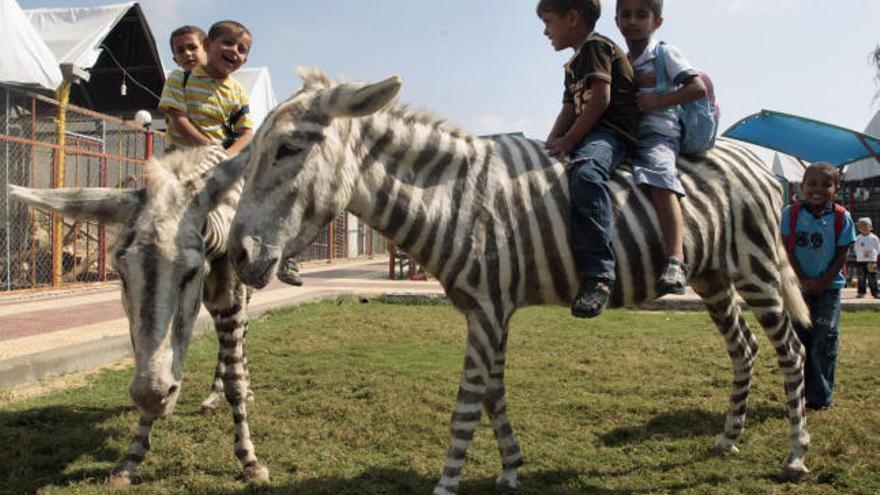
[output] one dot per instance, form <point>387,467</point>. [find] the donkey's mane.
<point>183,168</point>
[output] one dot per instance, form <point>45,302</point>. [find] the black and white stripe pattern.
<point>171,259</point>
<point>489,218</point>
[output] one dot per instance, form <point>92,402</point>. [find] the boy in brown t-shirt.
<point>596,126</point>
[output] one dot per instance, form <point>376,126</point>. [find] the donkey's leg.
<point>213,400</point>
<point>483,343</point>
<point>226,300</point>
<point>766,302</point>
<point>718,295</point>
<point>126,470</point>
<point>495,404</point>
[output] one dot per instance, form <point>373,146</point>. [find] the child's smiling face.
<point>819,187</point>
<point>227,52</point>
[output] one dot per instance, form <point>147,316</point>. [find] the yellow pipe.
<point>63,97</point>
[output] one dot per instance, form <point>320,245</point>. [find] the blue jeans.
<point>821,343</point>
<point>592,221</point>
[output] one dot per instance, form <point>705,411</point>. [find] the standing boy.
<point>665,81</point>
<point>818,234</point>
<point>595,127</point>
<point>867,249</point>
<point>207,105</point>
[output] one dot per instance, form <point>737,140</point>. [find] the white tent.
<point>75,34</point>
<point>258,82</point>
<point>867,167</point>
<point>26,59</point>
<point>788,168</point>
<point>111,42</point>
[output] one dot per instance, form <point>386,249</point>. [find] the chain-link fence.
<point>100,151</point>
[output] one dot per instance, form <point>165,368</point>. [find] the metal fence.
<point>100,151</point>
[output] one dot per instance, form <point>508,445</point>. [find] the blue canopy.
<point>809,140</point>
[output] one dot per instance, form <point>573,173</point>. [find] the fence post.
<point>63,97</point>
<point>71,75</point>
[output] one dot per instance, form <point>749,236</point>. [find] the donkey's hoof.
<point>210,404</point>
<point>795,472</point>
<point>257,474</point>
<point>507,482</point>
<point>725,447</point>
<point>250,396</point>
<point>123,478</point>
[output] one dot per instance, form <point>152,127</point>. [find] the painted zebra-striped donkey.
<point>489,217</point>
<point>171,257</point>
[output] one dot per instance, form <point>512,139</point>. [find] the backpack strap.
<point>839,219</point>
<point>793,213</point>
<point>660,85</point>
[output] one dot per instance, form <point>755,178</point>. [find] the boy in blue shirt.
<point>595,127</point>
<point>817,253</point>
<point>659,130</point>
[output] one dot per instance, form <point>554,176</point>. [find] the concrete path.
<point>51,333</point>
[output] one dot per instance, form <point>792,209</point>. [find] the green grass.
<point>356,399</point>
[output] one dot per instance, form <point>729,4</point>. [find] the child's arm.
<point>692,90</point>
<point>600,98</point>
<point>244,137</point>
<point>815,286</point>
<point>563,121</point>
<point>187,129</point>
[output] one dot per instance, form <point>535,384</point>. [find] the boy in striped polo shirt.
<point>207,105</point>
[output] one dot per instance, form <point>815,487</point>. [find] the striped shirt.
<point>207,102</point>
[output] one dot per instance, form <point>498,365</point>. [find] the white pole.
<point>6,195</point>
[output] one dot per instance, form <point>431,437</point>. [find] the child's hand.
<point>559,147</point>
<point>813,287</point>
<point>648,102</point>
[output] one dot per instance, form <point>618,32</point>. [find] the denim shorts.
<point>654,162</point>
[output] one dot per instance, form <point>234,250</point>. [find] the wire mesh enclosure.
<point>99,151</point>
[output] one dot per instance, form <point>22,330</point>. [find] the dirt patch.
<point>63,382</point>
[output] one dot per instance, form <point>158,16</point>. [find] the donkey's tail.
<point>792,297</point>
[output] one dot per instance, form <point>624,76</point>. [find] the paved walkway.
<point>51,333</point>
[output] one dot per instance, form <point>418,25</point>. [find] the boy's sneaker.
<point>288,272</point>
<point>861,296</point>
<point>673,279</point>
<point>591,298</point>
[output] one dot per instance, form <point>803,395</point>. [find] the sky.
<point>486,66</point>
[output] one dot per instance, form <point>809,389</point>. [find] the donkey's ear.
<point>88,203</point>
<point>357,101</point>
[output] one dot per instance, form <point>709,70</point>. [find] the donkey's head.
<point>302,170</point>
<point>160,258</point>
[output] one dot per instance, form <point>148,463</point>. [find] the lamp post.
<point>145,120</point>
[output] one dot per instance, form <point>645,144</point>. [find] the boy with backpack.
<point>818,234</point>
<point>204,104</point>
<point>665,81</point>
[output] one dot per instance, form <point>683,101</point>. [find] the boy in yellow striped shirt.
<point>207,105</point>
